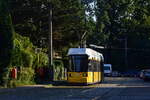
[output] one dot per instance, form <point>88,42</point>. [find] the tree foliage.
<point>6,41</point>
<point>118,20</point>
<point>68,21</point>
<point>108,23</point>
<point>123,18</point>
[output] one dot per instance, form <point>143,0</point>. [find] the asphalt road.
<point>112,89</point>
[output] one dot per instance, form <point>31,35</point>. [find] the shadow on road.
<point>128,89</point>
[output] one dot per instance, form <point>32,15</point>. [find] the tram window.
<point>71,67</point>
<point>78,63</point>
<point>94,66</point>
<point>90,65</point>
<point>98,66</point>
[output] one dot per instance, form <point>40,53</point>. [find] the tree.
<point>31,19</point>
<point>119,19</point>
<point>6,41</point>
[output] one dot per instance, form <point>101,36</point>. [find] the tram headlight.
<point>84,75</point>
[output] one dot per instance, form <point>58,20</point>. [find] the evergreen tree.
<point>6,41</point>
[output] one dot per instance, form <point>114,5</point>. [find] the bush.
<point>41,60</point>
<point>59,70</point>
<point>25,77</point>
<point>26,60</point>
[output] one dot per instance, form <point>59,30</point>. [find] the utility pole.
<point>50,44</point>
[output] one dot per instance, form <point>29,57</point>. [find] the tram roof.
<point>85,51</point>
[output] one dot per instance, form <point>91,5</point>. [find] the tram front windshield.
<point>78,63</point>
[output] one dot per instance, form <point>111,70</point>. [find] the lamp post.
<point>50,44</point>
<point>95,46</point>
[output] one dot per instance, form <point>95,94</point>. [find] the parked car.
<point>115,74</point>
<point>130,73</point>
<point>141,74</point>
<point>145,74</point>
<point>107,69</point>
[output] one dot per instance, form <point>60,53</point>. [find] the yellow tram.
<point>85,66</point>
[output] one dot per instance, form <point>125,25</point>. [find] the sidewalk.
<point>28,87</point>
<point>20,88</point>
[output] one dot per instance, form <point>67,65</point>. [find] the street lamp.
<point>95,46</point>
<point>50,36</point>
